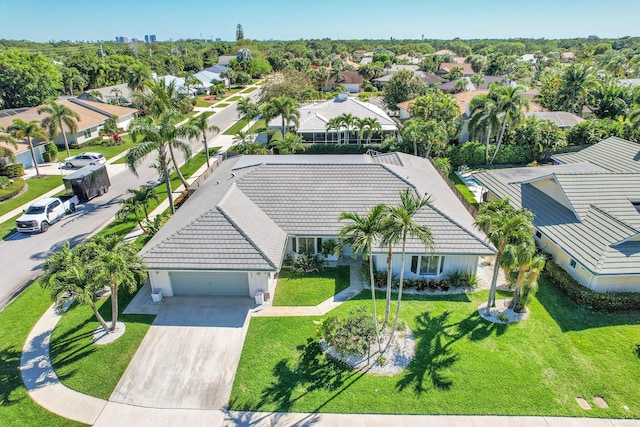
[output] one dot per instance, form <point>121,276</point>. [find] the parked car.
<point>44,212</point>
<point>85,159</point>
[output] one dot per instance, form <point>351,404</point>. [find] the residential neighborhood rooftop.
<point>613,154</point>
<point>562,119</point>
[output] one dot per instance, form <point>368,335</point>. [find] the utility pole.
<point>101,51</point>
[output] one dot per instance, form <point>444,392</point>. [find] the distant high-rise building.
<point>150,38</point>
<point>122,39</point>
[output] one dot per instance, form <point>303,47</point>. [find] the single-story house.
<point>446,67</point>
<point>587,211</point>
<point>120,94</point>
<point>449,86</point>
<point>92,117</point>
<point>430,80</point>
<point>446,52</point>
<point>253,212</point>
<point>23,153</point>
<point>315,116</point>
<point>206,78</point>
<point>223,60</point>
<point>563,119</point>
<point>352,82</point>
<point>568,56</point>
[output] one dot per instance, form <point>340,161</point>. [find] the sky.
<point>45,20</point>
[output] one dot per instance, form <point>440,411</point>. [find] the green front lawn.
<point>8,227</point>
<point>37,187</point>
<point>107,151</point>
<point>464,190</point>
<point>202,103</point>
<point>222,105</point>
<point>259,127</point>
<point>463,364</point>
<point>12,189</point>
<point>95,369</point>
<point>233,98</point>
<point>16,321</point>
<point>236,127</point>
<point>310,288</point>
<point>249,90</point>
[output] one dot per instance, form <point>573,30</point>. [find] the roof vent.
<point>233,174</point>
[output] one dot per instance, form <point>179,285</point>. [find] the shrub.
<point>472,153</point>
<point>443,164</point>
<point>4,181</point>
<point>329,247</point>
<point>461,278</point>
<point>581,295</point>
<point>351,336</point>
<point>9,188</point>
<point>503,318</point>
<point>14,170</point>
<point>51,148</point>
<point>306,263</point>
<point>48,156</point>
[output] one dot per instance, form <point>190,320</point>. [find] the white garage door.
<point>209,283</point>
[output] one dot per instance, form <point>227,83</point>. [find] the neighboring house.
<point>405,109</point>
<point>408,58</point>
<point>587,211</point>
<point>563,119</point>
<point>178,82</point>
<point>568,56</point>
<point>430,80</point>
<point>632,83</point>
<point>314,118</point>
<point>451,53</point>
<point>223,61</point>
<point>352,82</point>
<point>232,235</point>
<point>206,77</point>
<point>120,94</point>
<point>449,86</point>
<point>23,153</point>
<point>92,117</point>
<point>446,67</point>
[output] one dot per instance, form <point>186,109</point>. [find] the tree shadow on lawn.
<point>313,371</point>
<point>572,317</point>
<point>10,378</point>
<point>434,338</point>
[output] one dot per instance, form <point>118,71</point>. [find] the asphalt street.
<point>22,255</point>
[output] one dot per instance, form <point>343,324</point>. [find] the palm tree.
<point>4,151</point>
<point>360,235</point>
<point>333,123</point>
<point>531,282</point>
<point>368,125</point>
<point>159,136</point>
<point>484,119</point>
<point>229,75</point>
<point>287,109</point>
<point>200,122</point>
<point>517,259</point>
<point>68,276</point>
<point>576,82</point>
<point>141,198</point>
<point>138,75</point>
<point>336,74</point>
<point>59,117</point>
<point>477,80</point>
<point>401,225</point>
<point>95,94</point>
<point>117,264</point>
<point>20,130</point>
<point>243,137</point>
<point>288,144</point>
<point>160,97</point>
<point>510,104</point>
<point>347,120</point>
<point>504,225</point>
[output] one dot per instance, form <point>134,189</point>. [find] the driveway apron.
<point>189,356</point>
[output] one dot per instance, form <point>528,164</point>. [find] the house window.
<point>87,133</point>
<point>307,245</point>
<point>429,265</point>
<point>538,234</point>
<point>572,263</point>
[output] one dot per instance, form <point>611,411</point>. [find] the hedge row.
<point>472,153</point>
<point>14,170</point>
<point>581,295</point>
<point>334,148</point>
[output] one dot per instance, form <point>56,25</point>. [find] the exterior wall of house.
<point>404,114</point>
<point>464,132</point>
<point>581,274</point>
<point>160,281</point>
<point>551,189</point>
<point>616,283</point>
<point>259,282</point>
<point>352,88</point>
<point>125,121</point>
<point>451,263</point>
<point>25,156</point>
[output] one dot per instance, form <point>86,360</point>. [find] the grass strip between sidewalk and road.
<point>236,127</point>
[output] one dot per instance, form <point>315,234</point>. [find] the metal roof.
<point>562,119</point>
<point>614,154</point>
<point>582,208</point>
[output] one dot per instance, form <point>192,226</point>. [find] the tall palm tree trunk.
<point>395,319</point>
<point>33,156</point>
<point>177,168</point>
<point>373,300</point>
<point>114,307</point>
<point>206,149</point>
<point>100,318</point>
<point>486,145</point>
<point>167,183</point>
<point>504,128</point>
<point>491,302</point>
<point>64,137</point>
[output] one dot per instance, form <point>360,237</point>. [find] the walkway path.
<point>46,389</point>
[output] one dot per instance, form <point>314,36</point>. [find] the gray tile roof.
<point>240,217</point>
<point>614,154</point>
<point>562,119</point>
<point>595,224</point>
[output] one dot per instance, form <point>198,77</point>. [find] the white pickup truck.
<point>45,212</point>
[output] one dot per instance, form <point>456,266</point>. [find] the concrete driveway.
<point>189,356</point>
